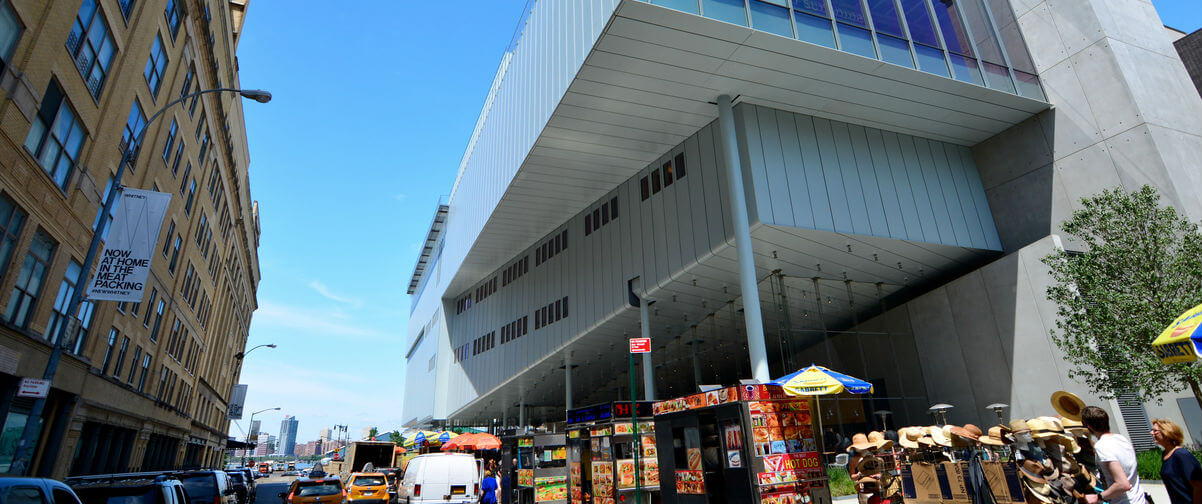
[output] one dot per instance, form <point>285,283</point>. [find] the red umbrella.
<point>486,441</point>
<point>461,442</point>
<point>473,441</point>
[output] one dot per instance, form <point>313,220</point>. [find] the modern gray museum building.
<point>868,185</point>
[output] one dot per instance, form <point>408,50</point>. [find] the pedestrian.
<point>1180,471</point>
<point>1116,461</point>
<point>488,489</point>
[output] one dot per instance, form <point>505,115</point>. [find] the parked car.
<point>243,489</point>
<point>326,490</point>
<point>207,487</point>
<point>35,491</point>
<point>129,488</point>
<point>367,488</point>
<point>441,477</point>
<point>251,486</point>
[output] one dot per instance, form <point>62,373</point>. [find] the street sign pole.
<point>638,444</point>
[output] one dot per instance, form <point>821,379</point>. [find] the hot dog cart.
<point>517,462</point>
<point>750,443</point>
<point>550,468</point>
<point>601,454</point>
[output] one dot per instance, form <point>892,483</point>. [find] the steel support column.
<point>752,318</point>
<point>648,370</point>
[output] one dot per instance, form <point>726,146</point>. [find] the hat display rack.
<point>1052,455</point>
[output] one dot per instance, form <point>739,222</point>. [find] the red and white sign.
<point>33,387</point>
<point>640,345</point>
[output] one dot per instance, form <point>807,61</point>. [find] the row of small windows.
<point>662,177</point>
<point>460,353</point>
<point>514,330</point>
<point>551,313</point>
<point>489,288</point>
<point>601,216</point>
<point>515,271</point>
<point>484,343</point>
<point>463,304</point>
<point>551,247</point>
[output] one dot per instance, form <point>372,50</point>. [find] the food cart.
<point>750,443</point>
<point>518,448</point>
<point>550,468</point>
<point>601,447</point>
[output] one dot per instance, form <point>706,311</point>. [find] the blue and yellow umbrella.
<point>1182,340</point>
<point>817,380</point>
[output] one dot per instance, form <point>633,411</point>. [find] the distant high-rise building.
<point>254,427</point>
<point>325,434</point>
<point>288,436</point>
<point>367,432</point>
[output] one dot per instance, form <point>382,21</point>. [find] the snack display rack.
<point>601,445</point>
<point>550,473</point>
<point>519,448</point>
<point>749,443</point>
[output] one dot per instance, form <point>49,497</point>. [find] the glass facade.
<point>974,41</point>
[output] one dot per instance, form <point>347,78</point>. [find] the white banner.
<point>132,240</point>
<point>237,402</point>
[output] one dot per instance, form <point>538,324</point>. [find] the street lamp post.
<point>240,355</point>
<point>252,423</point>
<point>24,451</point>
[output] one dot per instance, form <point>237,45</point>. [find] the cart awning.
<point>1182,340</point>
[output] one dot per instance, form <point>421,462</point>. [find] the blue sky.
<point>374,103</point>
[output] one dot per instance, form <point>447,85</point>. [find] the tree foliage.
<point>1140,268</point>
<point>372,433</point>
<point>395,437</point>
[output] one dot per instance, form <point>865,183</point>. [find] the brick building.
<point>141,386</point>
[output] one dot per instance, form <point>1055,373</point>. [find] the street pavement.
<point>269,489</point>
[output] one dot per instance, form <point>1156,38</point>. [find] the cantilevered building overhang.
<point>856,169</point>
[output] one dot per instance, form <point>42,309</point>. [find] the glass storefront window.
<point>885,18</point>
<point>1028,85</point>
<point>731,11</point>
<point>856,40</point>
<point>14,426</point>
<point>998,78</point>
<point>814,29</point>
<point>930,60</point>
<point>850,12</point>
<point>954,34</point>
<point>689,6</point>
<point>771,18</point>
<point>922,30</point>
<point>966,69</point>
<point>895,50</point>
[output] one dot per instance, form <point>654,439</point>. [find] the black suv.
<point>244,487</point>
<point>129,488</point>
<point>207,487</point>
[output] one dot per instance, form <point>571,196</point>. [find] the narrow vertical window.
<point>31,277</point>
<point>655,187</point>
<point>679,166</point>
<point>56,136</point>
<point>588,224</point>
<point>605,213</point>
<point>564,235</point>
<point>613,208</point>
<point>156,66</point>
<point>668,173</point>
<point>12,219</point>
<point>644,189</point>
<point>91,46</point>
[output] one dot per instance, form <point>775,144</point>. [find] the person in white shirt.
<point>1116,461</point>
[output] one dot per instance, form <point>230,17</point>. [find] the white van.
<point>441,477</point>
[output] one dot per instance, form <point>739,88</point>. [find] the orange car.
<point>367,488</point>
<point>314,491</point>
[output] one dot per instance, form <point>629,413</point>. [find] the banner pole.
<point>638,444</point>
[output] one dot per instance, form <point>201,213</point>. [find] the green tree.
<point>395,437</point>
<point>372,434</point>
<point>1140,269</point>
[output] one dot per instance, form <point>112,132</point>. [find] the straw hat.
<point>1067,404</point>
<point>870,465</point>
<point>969,434</point>
<point>940,436</point>
<point>908,437</point>
<point>1074,427</point>
<point>859,442</point>
<point>999,435</point>
<point>878,441</point>
<point>1045,427</point>
<point>1032,471</point>
<point>1019,426</point>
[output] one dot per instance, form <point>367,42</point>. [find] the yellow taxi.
<point>367,488</point>
<point>320,490</point>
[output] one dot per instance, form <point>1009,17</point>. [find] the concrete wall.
<point>1125,113</point>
